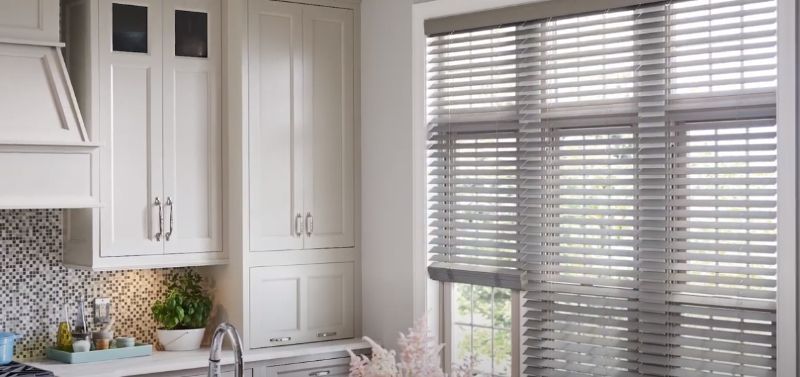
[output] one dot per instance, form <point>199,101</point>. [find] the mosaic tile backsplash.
<point>34,284</point>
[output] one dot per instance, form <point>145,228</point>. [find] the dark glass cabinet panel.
<point>129,25</point>
<point>191,34</point>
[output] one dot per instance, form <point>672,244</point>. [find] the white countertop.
<point>175,361</point>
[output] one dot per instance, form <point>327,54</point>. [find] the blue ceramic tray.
<point>138,350</point>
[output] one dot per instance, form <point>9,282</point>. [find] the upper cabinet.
<point>154,101</point>
<point>301,125</point>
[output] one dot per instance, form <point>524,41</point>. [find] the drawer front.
<point>325,368</point>
<point>301,304</point>
<point>197,373</point>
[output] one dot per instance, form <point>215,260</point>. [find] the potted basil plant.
<point>183,313</point>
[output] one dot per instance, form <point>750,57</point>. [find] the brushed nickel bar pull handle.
<point>320,373</point>
<point>160,219</point>
<point>309,224</point>
<point>171,205</point>
<point>298,227</point>
<point>326,334</point>
<point>284,339</point>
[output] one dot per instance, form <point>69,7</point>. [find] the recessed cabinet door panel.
<point>130,112</point>
<point>274,126</point>
<point>192,136</point>
<point>300,304</point>
<point>328,126</point>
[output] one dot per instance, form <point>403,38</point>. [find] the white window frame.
<point>447,329</point>
<point>427,293</point>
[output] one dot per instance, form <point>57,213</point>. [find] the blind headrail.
<point>526,12</point>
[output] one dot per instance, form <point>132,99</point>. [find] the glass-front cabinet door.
<point>192,126</point>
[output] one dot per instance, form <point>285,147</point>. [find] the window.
<point>618,169</point>
<point>480,328</point>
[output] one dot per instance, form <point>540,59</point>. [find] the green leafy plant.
<point>187,305</point>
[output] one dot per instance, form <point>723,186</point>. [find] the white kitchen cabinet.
<point>29,21</point>
<point>275,144</point>
<point>154,103</point>
<point>301,126</point>
<point>301,304</point>
<point>131,128</point>
<point>192,131</point>
<point>328,126</point>
<point>328,368</point>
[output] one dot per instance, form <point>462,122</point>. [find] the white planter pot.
<point>181,340</point>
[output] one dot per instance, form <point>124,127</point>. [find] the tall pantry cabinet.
<point>301,126</point>
<point>147,75</point>
<point>299,276</point>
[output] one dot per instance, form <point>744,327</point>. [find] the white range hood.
<point>47,157</point>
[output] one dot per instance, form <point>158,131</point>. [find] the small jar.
<point>101,344</point>
<point>81,345</point>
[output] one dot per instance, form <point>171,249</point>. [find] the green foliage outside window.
<point>482,327</point>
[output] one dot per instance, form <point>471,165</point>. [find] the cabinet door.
<point>300,304</point>
<point>131,115</point>
<point>275,138</point>
<point>29,20</point>
<point>192,126</point>
<point>329,301</point>
<point>328,368</point>
<point>276,306</point>
<point>328,126</point>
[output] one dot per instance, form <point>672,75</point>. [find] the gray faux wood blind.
<point>474,158</point>
<point>649,192</point>
<point>640,162</point>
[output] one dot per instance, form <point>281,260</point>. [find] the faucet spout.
<point>215,356</point>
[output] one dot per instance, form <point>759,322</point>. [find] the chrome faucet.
<point>214,367</point>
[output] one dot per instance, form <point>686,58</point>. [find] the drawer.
<point>325,368</point>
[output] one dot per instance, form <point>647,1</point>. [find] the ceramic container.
<point>125,341</point>
<point>181,340</point>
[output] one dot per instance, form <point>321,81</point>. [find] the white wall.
<point>386,170</point>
